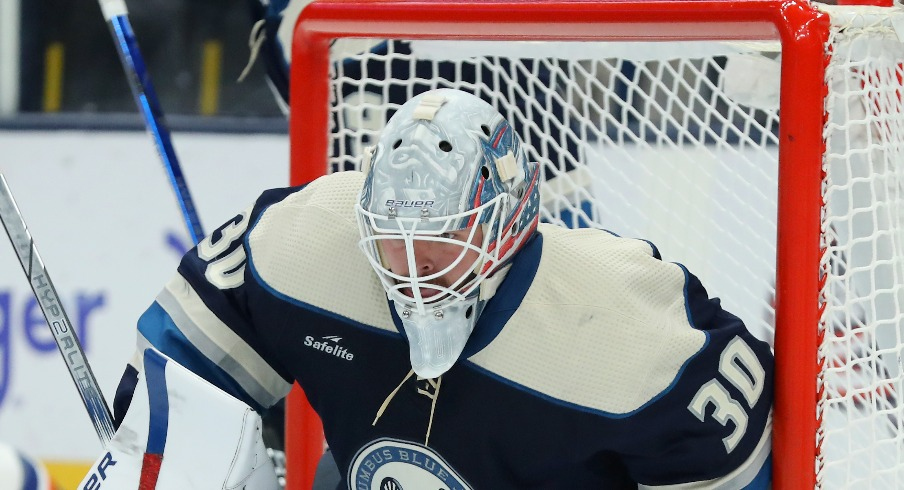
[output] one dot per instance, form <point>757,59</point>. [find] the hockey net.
<point>788,206</point>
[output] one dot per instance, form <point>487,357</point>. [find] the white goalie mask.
<point>448,199</point>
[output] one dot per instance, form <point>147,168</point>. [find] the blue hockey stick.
<point>117,16</point>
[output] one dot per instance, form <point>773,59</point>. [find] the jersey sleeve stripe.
<point>157,331</point>
<point>753,474</point>
<point>220,344</point>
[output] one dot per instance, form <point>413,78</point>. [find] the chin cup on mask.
<point>437,337</point>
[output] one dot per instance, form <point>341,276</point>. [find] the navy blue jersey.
<point>595,364</point>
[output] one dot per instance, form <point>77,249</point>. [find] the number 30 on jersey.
<point>739,366</point>
<point>225,271</point>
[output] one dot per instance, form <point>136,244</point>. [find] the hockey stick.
<point>117,15</point>
<point>60,326</point>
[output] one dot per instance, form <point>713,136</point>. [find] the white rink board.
<point>104,218</point>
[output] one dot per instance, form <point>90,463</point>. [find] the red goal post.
<point>815,276</point>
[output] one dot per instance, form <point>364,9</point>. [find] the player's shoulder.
<point>620,281</point>
<point>305,247</point>
<point>592,241</point>
<point>595,255</point>
<point>346,182</point>
<point>337,192</point>
<point>321,211</point>
<point>333,195</point>
<point>607,304</point>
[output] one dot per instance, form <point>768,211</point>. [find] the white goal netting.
<point>862,435</point>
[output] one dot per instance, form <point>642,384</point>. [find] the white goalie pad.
<point>184,434</point>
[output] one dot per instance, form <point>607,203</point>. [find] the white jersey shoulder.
<point>598,304</point>
<point>306,248</point>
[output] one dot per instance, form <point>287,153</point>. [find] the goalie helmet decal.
<point>448,169</point>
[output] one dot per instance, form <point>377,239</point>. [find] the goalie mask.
<point>448,200</point>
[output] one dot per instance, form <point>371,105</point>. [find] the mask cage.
<point>377,228</point>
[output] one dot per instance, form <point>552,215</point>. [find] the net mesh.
<point>861,435</point>
<point>677,143</point>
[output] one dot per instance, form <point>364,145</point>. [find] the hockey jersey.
<point>594,365</point>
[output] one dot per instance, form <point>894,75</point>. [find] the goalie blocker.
<point>184,434</point>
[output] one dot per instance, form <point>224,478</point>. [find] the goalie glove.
<point>181,432</point>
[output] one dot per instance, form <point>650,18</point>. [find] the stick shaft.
<point>57,319</point>
<point>146,99</point>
